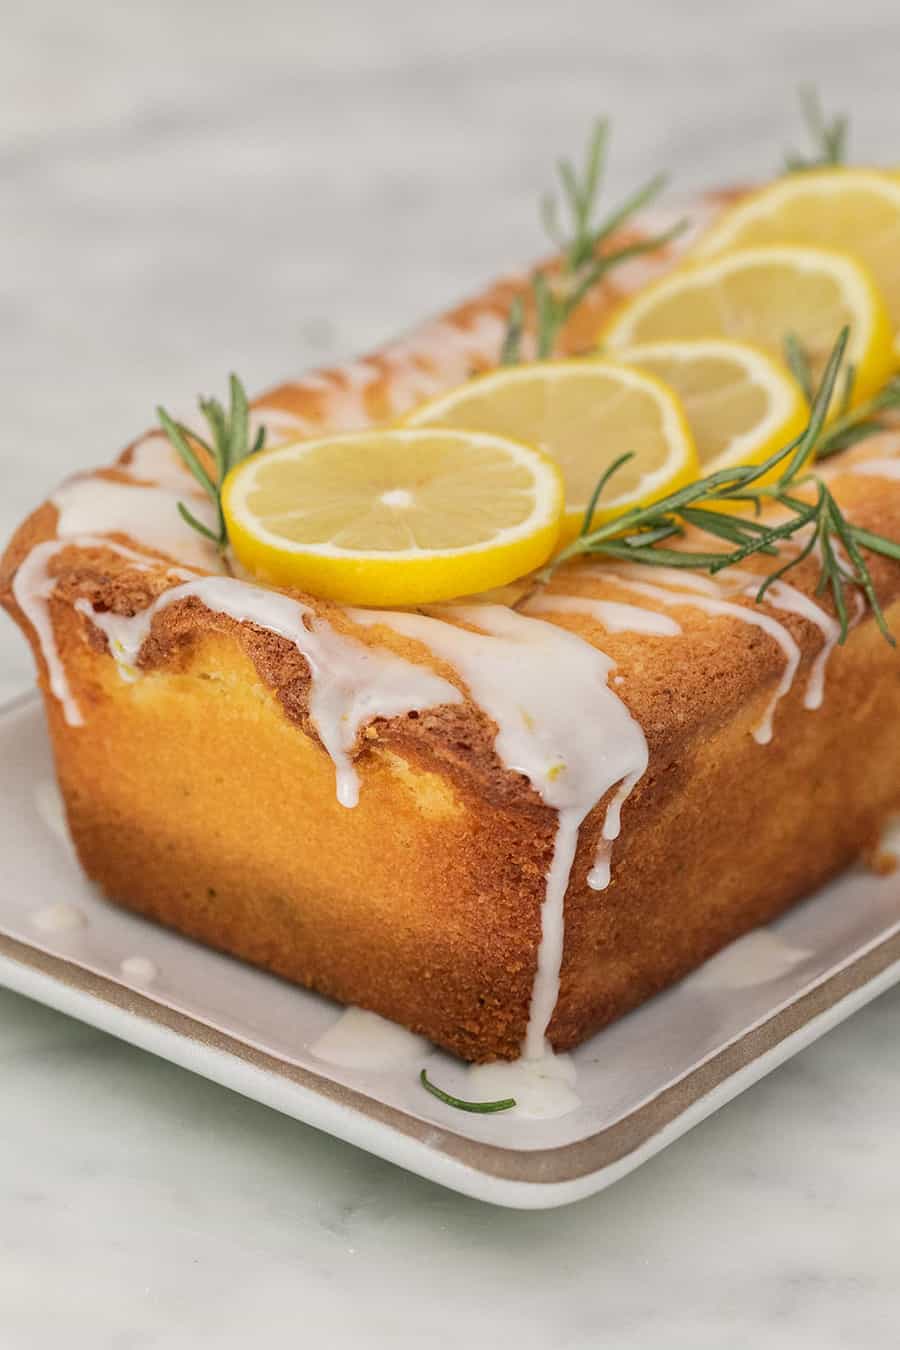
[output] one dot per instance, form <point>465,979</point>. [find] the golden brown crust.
<point>423,903</point>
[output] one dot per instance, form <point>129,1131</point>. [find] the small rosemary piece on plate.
<point>829,139</point>
<point>481,1108</point>
<point>813,517</point>
<point>557,292</point>
<point>228,444</point>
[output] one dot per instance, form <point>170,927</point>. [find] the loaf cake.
<point>501,822</point>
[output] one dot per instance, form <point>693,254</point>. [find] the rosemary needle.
<point>229,443</point>
<point>798,364</point>
<point>829,139</point>
<point>482,1108</point>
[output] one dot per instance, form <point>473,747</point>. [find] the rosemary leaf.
<point>601,484</point>
<point>196,524</point>
<point>877,543</point>
<point>239,427</point>
<point>849,387</point>
<point>798,363</point>
<point>178,435</point>
<point>828,139</point>
<point>228,444</point>
<point>861,574</point>
<point>511,350</point>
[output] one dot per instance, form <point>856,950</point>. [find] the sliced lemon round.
<point>741,405</point>
<point>585,413</point>
<point>394,517</point>
<point>857,210</point>
<point>763,295</point>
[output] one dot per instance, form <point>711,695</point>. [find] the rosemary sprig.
<point>829,139</point>
<point>851,425</point>
<point>228,444</point>
<point>482,1108</point>
<point>638,535</point>
<point>857,424</point>
<point>585,260</point>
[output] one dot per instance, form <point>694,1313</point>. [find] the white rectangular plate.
<point>643,1082</point>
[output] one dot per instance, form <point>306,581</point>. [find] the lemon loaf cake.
<point>503,821</point>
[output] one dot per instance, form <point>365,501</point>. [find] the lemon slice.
<point>585,413</point>
<point>760,295</point>
<point>853,209</point>
<point>394,517</point>
<point>740,404</point>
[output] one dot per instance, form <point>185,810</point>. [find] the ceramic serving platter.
<point>642,1082</point>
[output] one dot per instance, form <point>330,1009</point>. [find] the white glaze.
<point>154,460</point>
<point>138,969</point>
<point>600,874</point>
<point>615,616</point>
<point>783,596</point>
<point>58,918</point>
<point>281,425</point>
<point>543,1089</point>
<point>148,515</point>
<point>557,723</point>
<point>32,588</point>
<point>351,683</point>
<point>763,731</point>
<point>363,1040</point>
<point>683,579</point>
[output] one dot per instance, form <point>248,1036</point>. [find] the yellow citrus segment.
<point>394,517</point>
<point>761,295</point>
<point>585,413</point>
<point>740,404</point>
<point>857,210</point>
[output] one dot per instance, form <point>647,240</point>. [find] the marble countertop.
<point>187,189</point>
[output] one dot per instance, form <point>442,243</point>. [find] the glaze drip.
<point>351,683</point>
<point>558,723</point>
<point>612,614</point>
<point>701,600</point>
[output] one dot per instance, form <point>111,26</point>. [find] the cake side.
<point>423,903</point>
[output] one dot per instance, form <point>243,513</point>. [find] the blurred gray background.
<point>189,187</point>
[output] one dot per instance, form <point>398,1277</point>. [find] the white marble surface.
<point>187,188</point>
